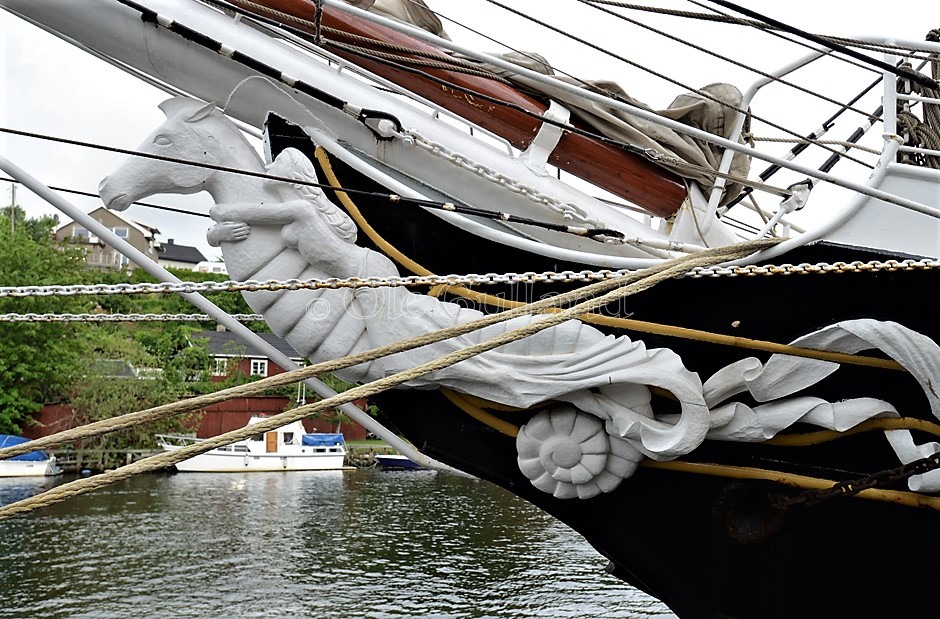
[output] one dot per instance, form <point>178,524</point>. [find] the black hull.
<point>711,547</point>
<point>707,545</point>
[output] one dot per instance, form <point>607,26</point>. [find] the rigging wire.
<point>478,212</point>
<point>676,82</point>
<point>596,234</point>
<point>776,32</point>
<point>667,162</point>
<point>672,164</point>
<point>725,18</point>
<point>89,194</point>
<point>732,61</point>
<point>901,71</point>
<point>804,144</point>
<point>721,17</point>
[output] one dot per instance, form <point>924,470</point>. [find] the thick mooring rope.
<point>636,283</point>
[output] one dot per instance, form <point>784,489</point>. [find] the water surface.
<point>361,543</point>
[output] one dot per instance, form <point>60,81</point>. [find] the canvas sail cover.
<point>8,440</point>
<point>322,440</point>
<point>712,108</point>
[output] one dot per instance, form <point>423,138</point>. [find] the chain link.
<point>472,279</point>
<point>567,210</point>
<point>298,284</point>
<point>121,317</point>
<point>851,487</point>
<point>818,268</point>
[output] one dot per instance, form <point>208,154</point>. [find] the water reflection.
<point>361,543</point>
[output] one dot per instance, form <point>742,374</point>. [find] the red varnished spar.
<point>622,173</point>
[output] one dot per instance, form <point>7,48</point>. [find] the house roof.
<point>227,344</point>
<point>180,253</point>
<point>146,229</point>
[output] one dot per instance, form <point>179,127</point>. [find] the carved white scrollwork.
<point>587,446</point>
<point>569,454</point>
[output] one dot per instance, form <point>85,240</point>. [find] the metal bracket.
<point>535,157</point>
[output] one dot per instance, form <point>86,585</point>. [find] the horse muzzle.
<point>113,198</point>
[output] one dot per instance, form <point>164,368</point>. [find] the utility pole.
<point>12,208</point>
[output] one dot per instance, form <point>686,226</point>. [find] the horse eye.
<point>162,140</point>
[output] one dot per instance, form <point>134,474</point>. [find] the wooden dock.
<point>98,460</point>
<point>363,455</point>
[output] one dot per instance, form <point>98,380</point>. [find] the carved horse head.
<point>193,131</point>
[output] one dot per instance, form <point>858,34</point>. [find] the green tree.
<point>38,228</point>
<point>38,360</point>
<point>118,383</point>
<point>230,301</point>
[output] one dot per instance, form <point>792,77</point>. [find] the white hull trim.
<point>210,462</point>
<point>16,468</point>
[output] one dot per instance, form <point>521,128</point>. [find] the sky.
<point>47,86</point>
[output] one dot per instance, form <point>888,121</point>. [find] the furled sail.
<point>712,108</point>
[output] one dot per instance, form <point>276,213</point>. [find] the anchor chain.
<point>567,210</point>
<point>472,279</point>
<point>852,487</point>
<point>32,317</point>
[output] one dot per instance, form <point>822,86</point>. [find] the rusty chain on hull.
<point>851,487</point>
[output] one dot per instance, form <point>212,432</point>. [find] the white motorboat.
<point>290,448</point>
<point>33,464</point>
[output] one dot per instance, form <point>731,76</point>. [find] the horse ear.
<point>177,104</point>
<point>201,113</point>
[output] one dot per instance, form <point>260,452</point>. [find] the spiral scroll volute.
<point>569,454</point>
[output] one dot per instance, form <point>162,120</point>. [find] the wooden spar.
<point>622,173</point>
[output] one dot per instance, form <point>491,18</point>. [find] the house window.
<point>259,367</point>
<point>120,232</point>
<point>82,233</point>
<point>221,366</point>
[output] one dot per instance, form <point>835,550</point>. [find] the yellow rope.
<point>639,326</point>
<point>907,499</point>
<point>651,277</point>
<point>160,412</point>
<point>479,414</point>
<point>884,424</point>
<point>630,284</point>
<point>479,402</point>
<point>472,407</point>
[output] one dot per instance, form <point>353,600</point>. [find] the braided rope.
<point>924,133</point>
<point>631,284</point>
<point>131,419</point>
<point>842,143</point>
<point>456,67</point>
<point>471,279</point>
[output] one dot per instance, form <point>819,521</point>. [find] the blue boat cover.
<point>8,440</point>
<point>321,440</point>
